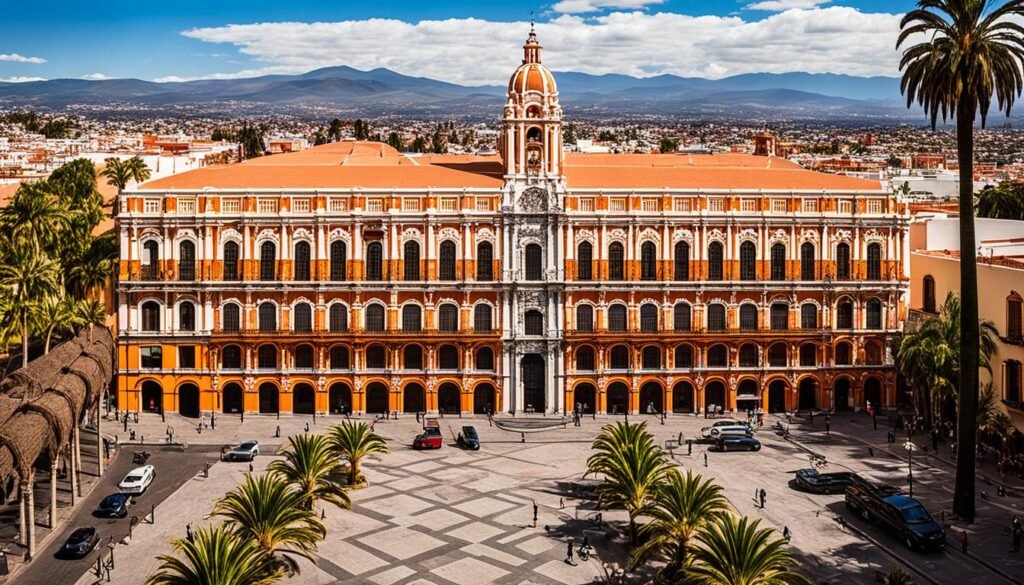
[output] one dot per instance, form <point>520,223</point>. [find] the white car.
<point>714,431</point>
<point>138,480</point>
<point>247,451</point>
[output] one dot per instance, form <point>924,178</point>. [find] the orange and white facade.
<point>351,277</point>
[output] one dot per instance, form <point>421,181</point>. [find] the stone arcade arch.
<point>377,396</point>
<point>303,399</point>
<point>682,397</point>
<point>652,398</point>
<point>534,392</point>
<point>777,396</point>
<point>269,398</point>
<point>618,398</point>
<point>843,395</point>
<point>339,399</point>
<point>807,394</point>
<point>484,399</point>
<point>152,397</point>
<point>714,395</point>
<point>232,400</point>
<point>586,396</point>
<point>873,392</point>
<point>449,399</point>
<point>188,400</point>
<point>414,398</point>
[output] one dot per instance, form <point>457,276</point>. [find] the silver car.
<point>138,480</point>
<point>247,451</point>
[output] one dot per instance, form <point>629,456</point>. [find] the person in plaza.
<point>188,532</point>
<point>535,514</point>
<point>1017,532</point>
<point>786,533</point>
<point>963,541</point>
<point>568,557</point>
<point>762,496</point>
<point>586,543</point>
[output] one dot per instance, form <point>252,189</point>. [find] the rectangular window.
<point>876,206</point>
<point>409,204</point>
<point>266,205</point>
<point>151,357</point>
<point>617,204</point>
<point>338,204</point>
<point>1012,388</point>
<point>186,206</point>
<point>650,204</point>
<point>845,206</point>
<point>448,204</point>
<point>231,206</point>
<point>300,205</point>
<point>375,205</point>
<point>483,203</point>
<point>748,205</point>
<point>681,204</point>
<point>150,206</point>
<point>716,204</point>
<point>187,357</point>
<point>779,206</point>
<point>586,204</point>
<point>810,206</point>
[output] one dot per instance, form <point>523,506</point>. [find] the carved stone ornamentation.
<point>533,200</point>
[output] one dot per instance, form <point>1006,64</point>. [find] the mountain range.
<point>382,91</point>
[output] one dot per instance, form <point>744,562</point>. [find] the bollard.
<point>111,546</point>
<point>152,513</point>
<point>277,432</point>
<point>206,470</point>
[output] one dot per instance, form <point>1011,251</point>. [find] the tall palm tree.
<point>120,172</point>
<point>31,277</point>
<point>737,552</point>
<point>683,506</point>
<point>966,53</point>
<point>1002,201</point>
<point>56,315</point>
<point>35,215</point>
<point>89,313</point>
<point>312,467</point>
<point>273,514</point>
<point>215,556</point>
<point>353,442</point>
<point>94,267</point>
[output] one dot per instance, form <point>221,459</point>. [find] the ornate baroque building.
<point>353,277</point>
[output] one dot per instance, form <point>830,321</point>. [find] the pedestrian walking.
<point>763,495</point>
<point>786,533</point>
<point>535,514</point>
<point>1018,533</point>
<point>705,459</point>
<point>306,428</point>
<point>568,554</point>
<point>188,532</point>
<point>561,504</point>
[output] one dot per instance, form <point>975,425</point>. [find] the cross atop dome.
<point>531,50</point>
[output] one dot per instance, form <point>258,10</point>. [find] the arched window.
<point>411,260</point>
<point>617,317</point>
<point>304,357</point>
<point>186,260</point>
<point>231,261</point>
<point>268,261</point>
<point>928,288</point>
<point>339,259</point>
<point>616,261</point>
<point>448,357</point>
<point>780,316</point>
<point>584,318</point>
<point>681,315</point>
<point>412,357</point>
<point>808,316</point>
<point>648,261</point>
<point>808,355</point>
<point>267,317</point>
<point>338,318</point>
<point>266,357</point>
<point>716,317</point>
<point>684,356</point>
<point>874,261</point>
<point>748,317</point>
<point>843,354</point>
<point>807,261</point>
<point>681,261</point>
<point>748,355</point>
<point>718,356</point>
<point>231,317</point>
<point>150,260</point>
<point>231,357</point>
<point>376,357</point>
<point>533,323</point>
<point>412,318</point>
<point>484,261</point>
<point>187,316</point>
<point>448,318</point>
<point>1014,317</point>
<point>778,262</point>
<point>150,316</point>
<point>778,355</point>
<point>302,272</point>
<point>374,317</point>
<point>715,271</point>
<point>534,262</point>
<point>584,261</point>
<point>585,359</point>
<point>843,261</point>
<point>375,261</point>
<point>302,318</point>
<point>485,359</point>
<point>618,358</point>
<point>482,318</point>
<point>748,261</point>
<point>873,308</point>
<point>339,358</point>
<point>649,318</point>
<point>650,358</point>
<point>446,261</point>
<point>844,315</point>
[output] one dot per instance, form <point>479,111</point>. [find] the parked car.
<point>809,480</point>
<point>903,516</point>
<point>468,439</point>
<point>430,438</point>
<point>113,506</point>
<point>717,430</point>
<point>138,480</point>
<point>246,451</point>
<point>737,443</point>
<point>80,543</point>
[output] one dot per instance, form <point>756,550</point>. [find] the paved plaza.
<point>452,516</point>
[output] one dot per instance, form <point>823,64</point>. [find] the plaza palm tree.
<point>215,556</point>
<point>312,467</point>
<point>961,54</point>
<point>1002,201</point>
<point>736,552</point>
<point>94,267</point>
<point>31,277</point>
<point>36,216</point>
<point>90,313</point>
<point>120,172</point>
<point>353,442</point>
<point>56,315</point>
<point>683,506</point>
<point>273,514</point>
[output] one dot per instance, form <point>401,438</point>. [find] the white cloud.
<point>95,77</point>
<point>16,58</point>
<point>783,5</point>
<point>21,79</point>
<point>473,51</point>
<point>581,6</point>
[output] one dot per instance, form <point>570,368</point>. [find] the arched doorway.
<point>651,398</point>
<point>268,398</point>
<point>808,394</point>
<point>777,396</point>
<point>746,395</point>
<point>339,399</point>
<point>152,397</point>
<point>844,398</point>
<point>376,398</point>
<point>534,394</point>
<point>714,396</point>
<point>618,398</point>
<point>448,399</point>
<point>484,400</point>
<point>585,395</point>
<point>303,399</point>
<point>682,397</point>
<point>232,399</point>
<point>873,392</point>
<point>188,400</point>
<point>414,399</point>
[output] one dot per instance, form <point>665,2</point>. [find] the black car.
<point>81,542</point>
<point>809,480</point>
<point>736,443</point>
<point>468,439</point>
<point>901,515</point>
<point>113,506</point>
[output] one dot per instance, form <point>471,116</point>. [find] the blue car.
<point>81,542</point>
<point>113,506</point>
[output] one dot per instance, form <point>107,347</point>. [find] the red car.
<point>430,438</point>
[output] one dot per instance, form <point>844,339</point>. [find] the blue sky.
<point>457,40</point>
